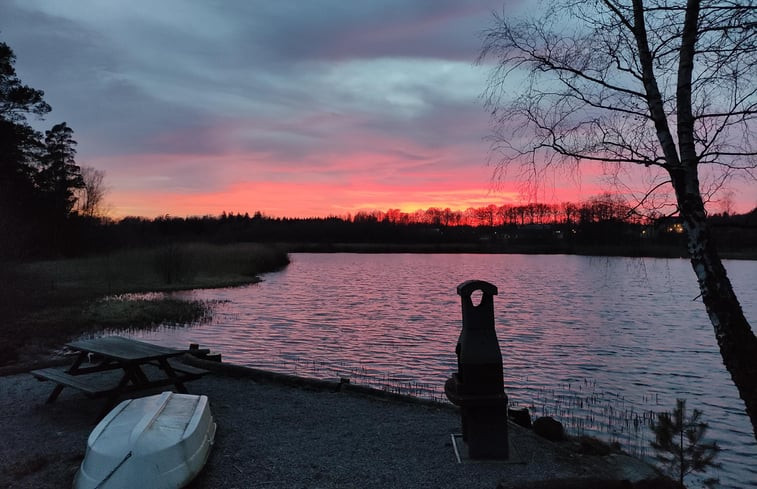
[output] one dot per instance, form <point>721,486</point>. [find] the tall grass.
<point>169,267</point>
<point>45,303</point>
<point>584,410</point>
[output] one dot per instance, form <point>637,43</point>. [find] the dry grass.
<point>170,267</point>
<point>44,304</point>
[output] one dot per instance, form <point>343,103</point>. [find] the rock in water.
<point>549,428</point>
<point>520,417</point>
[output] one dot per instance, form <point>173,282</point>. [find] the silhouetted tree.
<point>570,211</point>
<point>662,84</point>
<point>90,197</point>
<point>38,175</point>
<point>20,148</point>
<point>59,175</point>
<point>485,216</point>
<point>16,99</point>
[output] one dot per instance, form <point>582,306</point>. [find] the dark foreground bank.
<point>273,433</point>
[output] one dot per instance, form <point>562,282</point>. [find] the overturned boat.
<point>155,442</point>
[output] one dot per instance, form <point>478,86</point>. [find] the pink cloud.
<point>353,193</point>
<point>367,171</point>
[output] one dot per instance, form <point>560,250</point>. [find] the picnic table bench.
<point>135,359</point>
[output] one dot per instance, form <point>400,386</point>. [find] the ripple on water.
<point>601,341</point>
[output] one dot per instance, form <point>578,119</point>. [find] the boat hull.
<point>155,442</point>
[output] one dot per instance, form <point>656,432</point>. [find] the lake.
<point>599,342</point>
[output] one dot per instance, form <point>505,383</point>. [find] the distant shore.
<point>651,251</point>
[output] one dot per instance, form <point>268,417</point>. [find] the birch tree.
<point>90,198</point>
<point>667,85</point>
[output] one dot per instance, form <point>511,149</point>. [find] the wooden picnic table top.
<point>124,349</point>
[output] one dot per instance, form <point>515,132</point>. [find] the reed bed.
<point>168,267</point>
<point>585,411</point>
<point>45,303</point>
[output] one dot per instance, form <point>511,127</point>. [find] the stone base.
<point>462,456</point>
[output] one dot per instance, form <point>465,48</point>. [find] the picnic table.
<point>134,359</point>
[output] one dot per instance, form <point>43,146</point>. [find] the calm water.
<point>598,342</point>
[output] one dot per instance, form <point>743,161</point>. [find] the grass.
<point>170,267</point>
<point>44,304</point>
<point>584,410</point>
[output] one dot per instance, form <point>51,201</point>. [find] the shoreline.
<point>293,431</point>
<point>496,249</point>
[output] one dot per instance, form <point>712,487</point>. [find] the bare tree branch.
<point>657,83</point>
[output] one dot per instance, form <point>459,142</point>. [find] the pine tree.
<point>679,444</point>
<point>60,176</point>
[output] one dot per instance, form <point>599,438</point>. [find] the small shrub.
<point>679,444</point>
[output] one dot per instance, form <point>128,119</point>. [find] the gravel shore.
<point>273,435</point>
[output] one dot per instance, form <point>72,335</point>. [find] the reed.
<point>586,411</point>
<point>168,267</point>
<point>43,304</point>
<point>362,375</point>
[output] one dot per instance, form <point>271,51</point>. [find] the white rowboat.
<point>155,442</point>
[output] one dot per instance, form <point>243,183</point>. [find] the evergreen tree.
<point>19,144</point>
<point>59,175</point>
<point>679,443</point>
<point>20,150</point>
<point>38,176</point>
<point>16,99</point>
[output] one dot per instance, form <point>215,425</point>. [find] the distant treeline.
<point>585,231</point>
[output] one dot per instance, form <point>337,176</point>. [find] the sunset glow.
<point>326,109</point>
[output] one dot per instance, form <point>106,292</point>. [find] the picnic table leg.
<point>139,377</point>
<point>77,363</point>
<point>54,394</point>
<point>118,390</point>
<point>59,387</point>
<point>171,373</point>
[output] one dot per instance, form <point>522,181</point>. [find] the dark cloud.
<point>83,76</point>
<point>193,94</point>
<point>284,32</point>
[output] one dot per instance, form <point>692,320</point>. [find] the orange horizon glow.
<point>312,200</point>
<point>285,199</point>
<point>408,178</point>
<point>457,192</point>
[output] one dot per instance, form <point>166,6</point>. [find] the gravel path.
<point>272,435</point>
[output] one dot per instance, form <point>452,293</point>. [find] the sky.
<point>293,109</point>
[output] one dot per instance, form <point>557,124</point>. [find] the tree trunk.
<point>737,342</point>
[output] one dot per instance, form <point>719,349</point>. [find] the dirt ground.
<point>275,435</point>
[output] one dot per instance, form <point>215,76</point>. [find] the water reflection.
<point>605,340</point>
